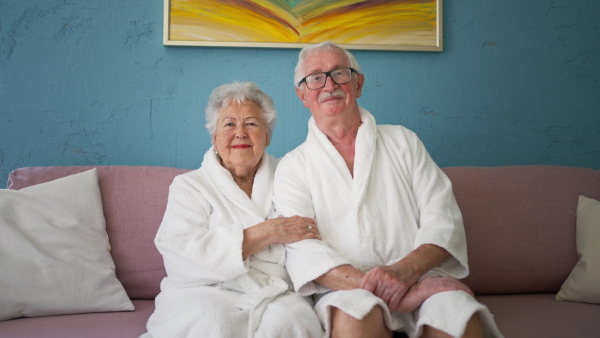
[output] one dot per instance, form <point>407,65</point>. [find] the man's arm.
<point>397,284</point>
<point>343,277</point>
<point>391,282</point>
<point>309,260</point>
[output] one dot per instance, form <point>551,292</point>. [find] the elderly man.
<point>392,239</point>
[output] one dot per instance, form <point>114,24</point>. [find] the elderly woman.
<point>221,242</point>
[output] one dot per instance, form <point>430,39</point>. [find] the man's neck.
<point>342,133</point>
<point>341,129</point>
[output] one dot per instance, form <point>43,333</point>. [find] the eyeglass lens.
<point>339,76</point>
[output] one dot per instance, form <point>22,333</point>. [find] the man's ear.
<point>302,97</point>
<point>359,84</point>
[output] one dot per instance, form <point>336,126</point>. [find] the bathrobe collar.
<point>363,158</point>
<point>261,202</point>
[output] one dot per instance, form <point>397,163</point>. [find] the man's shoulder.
<point>395,131</point>
<point>296,154</point>
<point>293,163</point>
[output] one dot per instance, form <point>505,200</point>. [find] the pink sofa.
<point>520,226</point>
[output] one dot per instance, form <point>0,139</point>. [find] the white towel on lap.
<point>447,311</point>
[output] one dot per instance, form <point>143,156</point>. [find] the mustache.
<point>336,93</point>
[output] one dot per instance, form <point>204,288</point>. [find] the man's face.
<point>333,99</point>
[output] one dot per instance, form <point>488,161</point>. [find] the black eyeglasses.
<point>318,80</point>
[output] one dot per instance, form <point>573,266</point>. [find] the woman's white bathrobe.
<point>209,290</point>
<point>397,200</point>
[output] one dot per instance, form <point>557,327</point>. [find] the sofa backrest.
<point>520,224</point>
<point>519,221</point>
<point>134,201</point>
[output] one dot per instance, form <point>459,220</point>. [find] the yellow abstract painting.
<point>383,24</point>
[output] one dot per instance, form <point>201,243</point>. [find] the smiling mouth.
<point>241,146</point>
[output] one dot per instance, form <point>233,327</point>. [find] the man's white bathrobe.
<point>209,290</point>
<point>397,200</point>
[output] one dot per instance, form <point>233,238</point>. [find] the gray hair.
<point>323,46</point>
<point>239,93</point>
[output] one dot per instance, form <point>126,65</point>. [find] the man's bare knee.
<point>472,330</point>
<point>372,325</point>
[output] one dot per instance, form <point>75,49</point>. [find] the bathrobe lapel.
<point>329,157</point>
<point>258,293</point>
<point>260,204</point>
<point>364,155</point>
<point>363,161</point>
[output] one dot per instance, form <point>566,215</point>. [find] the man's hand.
<point>399,292</point>
<point>397,285</point>
<point>429,286</point>
<point>390,283</point>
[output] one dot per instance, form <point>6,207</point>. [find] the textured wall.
<point>89,82</point>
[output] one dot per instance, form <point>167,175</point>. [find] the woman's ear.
<point>268,138</point>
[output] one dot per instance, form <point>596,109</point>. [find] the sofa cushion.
<point>539,315</point>
<point>54,251</point>
<point>134,200</point>
<point>583,284</point>
<point>90,325</point>
<point>520,224</point>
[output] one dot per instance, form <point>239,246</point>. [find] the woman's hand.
<point>278,230</point>
<point>292,229</point>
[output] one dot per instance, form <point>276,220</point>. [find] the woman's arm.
<point>192,250</point>
<point>278,230</point>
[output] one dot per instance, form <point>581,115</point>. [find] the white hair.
<point>240,93</point>
<point>323,46</point>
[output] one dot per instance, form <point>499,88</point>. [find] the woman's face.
<point>241,136</point>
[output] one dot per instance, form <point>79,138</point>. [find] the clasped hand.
<point>278,230</point>
<point>293,229</point>
<point>401,289</point>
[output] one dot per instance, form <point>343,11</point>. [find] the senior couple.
<point>356,234</point>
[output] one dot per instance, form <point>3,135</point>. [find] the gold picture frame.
<point>410,25</point>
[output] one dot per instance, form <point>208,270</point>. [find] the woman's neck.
<point>244,178</point>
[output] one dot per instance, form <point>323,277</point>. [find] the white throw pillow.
<point>583,284</point>
<point>54,251</point>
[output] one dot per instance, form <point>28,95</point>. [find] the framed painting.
<point>354,24</point>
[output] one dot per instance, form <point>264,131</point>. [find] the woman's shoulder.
<point>191,181</point>
<point>192,175</point>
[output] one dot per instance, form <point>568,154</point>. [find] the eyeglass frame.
<point>352,70</point>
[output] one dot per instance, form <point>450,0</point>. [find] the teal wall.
<point>86,82</point>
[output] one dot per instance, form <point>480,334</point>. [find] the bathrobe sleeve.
<point>440,219</point>
<point>194,251</point>
<point>308,259</point>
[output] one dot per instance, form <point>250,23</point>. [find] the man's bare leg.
<point>473,330</point>
<point>372,325</point>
